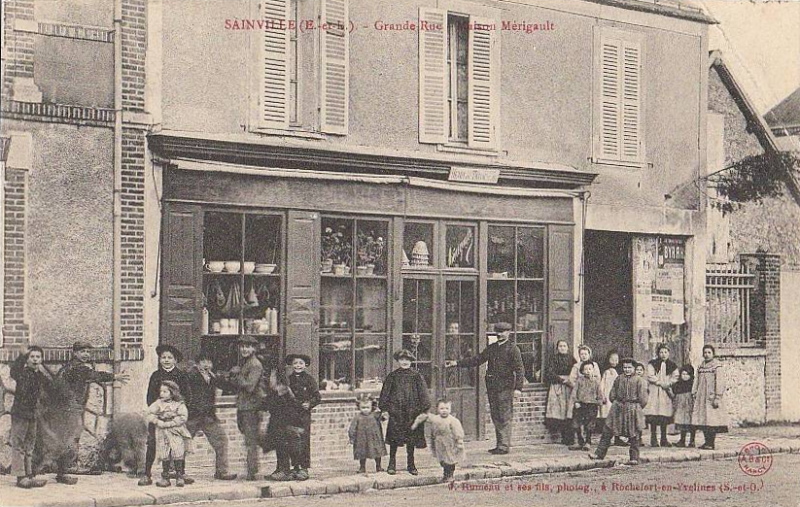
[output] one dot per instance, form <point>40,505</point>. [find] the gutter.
<point>117,197</point>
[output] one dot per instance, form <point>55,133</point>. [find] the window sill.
<point>292,132</point>
<point>619,163</point>
<point>465,149</point>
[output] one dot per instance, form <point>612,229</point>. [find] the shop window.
<point>353,303</point>
<point>242,283</point>
<point>460,337</point>
<point>418,324</point>
<point>515,289</point>
<point>418,246</point>
<point>460,244</point>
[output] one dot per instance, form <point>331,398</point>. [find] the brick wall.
<point>528,419</point>
<point>15,325</point>
<point>134,37</point>
<point>132,240</point>
<point>19,45</point>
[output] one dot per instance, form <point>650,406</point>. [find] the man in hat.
<point>306,394</point>
<point>505,375</point>
<point>168,358</point>
<point>249,399</point>
<point>63,419</point>
<point>203,413</point>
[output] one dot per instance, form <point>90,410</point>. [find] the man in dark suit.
<point>505,375</point>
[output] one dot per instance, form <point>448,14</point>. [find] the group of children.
<point>627,397</point>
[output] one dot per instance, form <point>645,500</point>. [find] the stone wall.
<point>746,392</point>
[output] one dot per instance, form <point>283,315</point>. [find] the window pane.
<point>370,361</point>
<point>418,247</point>
<point>418,323</point>
<point>371,305</point>
<point>222,237</point>
<point>530,304</point>
<point>461,80</point>
<point>530,252</point>
<point>460,340</point>
<point>530,345</point>
<point>337,244</point>
<point>500,302</point>
<point>501,252</point>
<point>335,332</point>
<point>372,246</point>
<point>463,124</point>
<point>460,242</point>
<point>263,241</point>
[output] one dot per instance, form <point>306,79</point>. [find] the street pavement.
<point>531,464</point>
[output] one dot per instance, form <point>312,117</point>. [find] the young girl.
<point>445,437</point>
<point>559,366</point>
<point>366,434</point>
<point>606,383</point>
<point>628,397</point>
<point>661,374</point>
<point>404,396</point>
<point>586,397</point>
<point>169,415</point>
<point>709,413</point>
<point>683,405</point>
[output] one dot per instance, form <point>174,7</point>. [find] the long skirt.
<point>557,404</point>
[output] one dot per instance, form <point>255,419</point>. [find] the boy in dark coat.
<point>203,383</point>
<point>168,358</point>
<point>285,430</point>
<point>306,394</point>
<point>31,377</point>
<point>404,396</point>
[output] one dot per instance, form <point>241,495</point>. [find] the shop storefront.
<point>350,268</point>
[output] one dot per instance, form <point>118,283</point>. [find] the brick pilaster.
<point>765,310</point>
<point>15,326</point>
<point>134,49</point>
<point>18,44</point>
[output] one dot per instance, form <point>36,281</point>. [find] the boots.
<point>32,480</point>
<point>682,441</point>
<point>362,466</point>
<point>164,482</point>
<point>412,468</point>
<point>392,468</point>
<point>180,468</point>
<point>691,438</point>
<point>664,441</point>
<point>653,439</point>
<point>378,465</point>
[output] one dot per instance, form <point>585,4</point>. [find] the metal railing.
<point>729,289</point>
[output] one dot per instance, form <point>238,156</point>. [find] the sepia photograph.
<point>323,253</point>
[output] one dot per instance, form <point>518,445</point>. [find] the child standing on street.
<point>306,393</point>
<point>611,373</point>
<point>628,397</point>
<point>683,405</point>
<point>31,377</point>
<point>169,415</point>
<point>586,397</point>
<point>445,436</point>
<point>366,434</point>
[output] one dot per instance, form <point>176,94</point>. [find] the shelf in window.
<point>274,275</point>
<point>376,277</point>
<point>223,273</point>
<point>331,275</point>
<point>370,333</point>
<point>531,331</point>
<point>236,336</point>
<point>524,279</point>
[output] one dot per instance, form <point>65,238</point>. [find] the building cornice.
<point>265,152</point>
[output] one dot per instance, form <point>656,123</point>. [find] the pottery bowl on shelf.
<point>265,268</point>
<point>215,266</point>
<point>248,267</point>
<point>233,266</point>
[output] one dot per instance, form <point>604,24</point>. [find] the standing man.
<point>66,428</point>
<point>203,413</point>
<point>505,375</point>
<point>249,399</point>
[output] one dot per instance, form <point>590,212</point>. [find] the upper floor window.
<point>618,97</point>
<point>303,80</point>
<point>459,79</point>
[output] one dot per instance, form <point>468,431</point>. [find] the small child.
<point>628,397</point>
<point>639,370</point>
<point>306,394</point>
<point>445,436</point>
<point>173,440</point>
<point>683,405</point>
<point>366,434</point>
<point>611,373</point>
<point>586,397</point>
<point>285,430</point>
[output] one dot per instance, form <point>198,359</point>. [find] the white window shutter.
<point>274,83</point>
<point>631,102</point>
<point>433,113</point>
<point>335,66</point>
<point>483,92</point>
<point>610,99</point>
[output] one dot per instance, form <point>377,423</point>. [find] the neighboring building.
<point>391,188</point>
<point>764,238</point>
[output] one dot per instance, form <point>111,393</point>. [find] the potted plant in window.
<point>369,251</point>
<point>329,242</point>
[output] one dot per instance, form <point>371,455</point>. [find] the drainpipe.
<point>117,212</point>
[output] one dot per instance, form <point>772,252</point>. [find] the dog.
<point>126,444</point>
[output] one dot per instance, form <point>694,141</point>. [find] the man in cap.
<point>63,418</point>
<point>505,375</point>
<point>249,399</point>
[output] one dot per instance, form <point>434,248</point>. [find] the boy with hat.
<point>168,358</point>
<point>306,394</point>
<point>249,399</point>
<point>505,375</point>
<point>404,396</point>
<point>62,421</point>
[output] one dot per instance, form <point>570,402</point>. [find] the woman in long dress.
<point>661,373</point>
<point>557,374</point>
<point>710,412</point>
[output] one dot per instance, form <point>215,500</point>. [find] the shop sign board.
<point>474,175</point>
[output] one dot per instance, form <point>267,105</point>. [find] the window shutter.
<point>560,287</point>
<point>433,113</point>
<point>181,299</point>
<point>610,100</point>
<point>483,81</point>
<point>274,83</point>
<point>631,101</point>
<point>335,55</point>
<point>302,310</point>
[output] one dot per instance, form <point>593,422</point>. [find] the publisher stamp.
<point>755,459</point>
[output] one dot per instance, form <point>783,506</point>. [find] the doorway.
<point>608,294</point>
<point>439,324</point>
